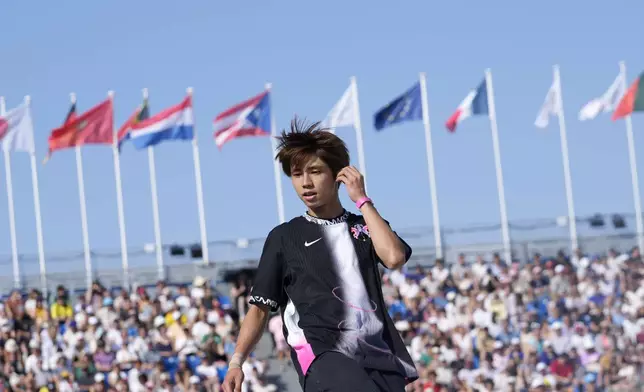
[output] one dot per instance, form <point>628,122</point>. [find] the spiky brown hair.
<point>304,140</point>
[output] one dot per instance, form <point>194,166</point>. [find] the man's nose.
<point>306,181</point>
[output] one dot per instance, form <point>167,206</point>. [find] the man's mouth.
<point>309,196</point>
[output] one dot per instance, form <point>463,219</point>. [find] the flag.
<point>174,123</point>
<point>95,126</point>
<point>606,103</point>
<point>633,100</point>
<point>71,114</point>
<point>473,105</point>
<point>141,113</point>
<point>249,118</point>
<point>406,107</point>
<point>17,130</point>
<point>551,107</point>
<point>343,113</point>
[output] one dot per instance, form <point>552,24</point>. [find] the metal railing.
<point>67,269</point>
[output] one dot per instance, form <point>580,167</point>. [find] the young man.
<point>321,271</point>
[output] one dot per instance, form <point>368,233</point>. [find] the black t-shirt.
<point>323,276</point>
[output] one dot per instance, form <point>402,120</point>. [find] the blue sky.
<point>309,50</point>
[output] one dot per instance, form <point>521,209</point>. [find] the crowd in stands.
<point>161,339</point>
<point>561,324</point>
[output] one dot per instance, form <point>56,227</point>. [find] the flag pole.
<point>438,243</point>
<point>572,220</point>
<point>12,211</point>
<point>119,206</point>
<point>278,175</point>
<point>357,125</point>
<point>633,162</point>
<point>505,226</point>
<point>199,185</point>
<point>83,209</point>
<point>36,192</point>
<point>155,205</point>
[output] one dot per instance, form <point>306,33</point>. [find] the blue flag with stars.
<point>407,107</point>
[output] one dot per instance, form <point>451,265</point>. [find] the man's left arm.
<point>391,250</point>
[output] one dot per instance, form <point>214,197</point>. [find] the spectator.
<point>172,340</point>
<point>552,325</point>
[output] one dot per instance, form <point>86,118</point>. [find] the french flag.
<point>474,104</point>
<point>249,118</point>
<point>174,123</point>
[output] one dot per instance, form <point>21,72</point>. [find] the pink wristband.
<point>363,200</point>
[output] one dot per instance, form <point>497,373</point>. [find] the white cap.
<point>199,281</point>
<point>11,346</point>
<point>159,321</point>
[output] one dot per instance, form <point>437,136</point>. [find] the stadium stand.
<point>475,325</point>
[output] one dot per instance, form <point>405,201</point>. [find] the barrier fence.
<point>68,269</point>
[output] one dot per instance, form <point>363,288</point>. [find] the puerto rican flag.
<point>174,123</point>
<point>249,118</point>
<point>474,104</point>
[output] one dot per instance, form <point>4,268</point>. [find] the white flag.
<point>606,103</point>
<point>343,113</point>
<point>17,131</point>
<point>551,106</point>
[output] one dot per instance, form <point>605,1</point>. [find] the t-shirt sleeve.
<point>268,286</point>
<point>405,244</point>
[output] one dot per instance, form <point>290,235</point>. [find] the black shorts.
<point>335,372</point>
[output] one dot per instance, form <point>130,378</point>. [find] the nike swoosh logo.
<point>307,244</point>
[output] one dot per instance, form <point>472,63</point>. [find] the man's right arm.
<point>266,295</point>
<point>250,332</point>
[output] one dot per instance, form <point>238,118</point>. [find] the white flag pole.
<point>199,185</point>
<point>276,166</point>
<point>505,226</point>
<point>83,209</point>
<point>12,212</point>
<point>36,192</point>
<point>572,220</point>
<point>438,243</point>
<point>155,206</point>
<point>633,161</point>
<point>357,125</point>
<point>119,206</point>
